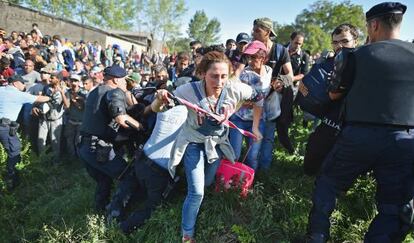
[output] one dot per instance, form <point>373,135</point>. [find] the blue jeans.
<point>389,153</point>
<point>236,141</point>
<point>266,150</point>
<point>199,173</point>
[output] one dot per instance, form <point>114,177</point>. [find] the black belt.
<point>392,126</point>
<point>86,139</point>
<point>89,139</point>
<point>154,166</point>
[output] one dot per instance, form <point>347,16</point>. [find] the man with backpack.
<point>279,61</point>
<point>321,141</point>
<point>50,117</point>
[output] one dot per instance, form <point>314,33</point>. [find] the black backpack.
<point>276,52</point>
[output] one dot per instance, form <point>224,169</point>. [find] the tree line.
<point>163,19</point>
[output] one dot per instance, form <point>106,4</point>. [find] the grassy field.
<point>55,204</point>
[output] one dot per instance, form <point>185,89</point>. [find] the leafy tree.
<point>319,20</point>
<point>283,32</point>
<point>108,14</point>
<point>202,29</point>
<point>163,17</point>
<point>178,44</point>
<point>317,39</point>
<point>115,14</point>
<point>59,8</point>
<point>327,15</point>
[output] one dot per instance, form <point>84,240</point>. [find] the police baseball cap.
<point>385,8</point>
<point>265,23</point>
<point>243,38</point>
<point>16,78</point>
<point>114,71</point>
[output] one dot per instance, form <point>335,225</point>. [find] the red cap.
<point>64,74</point>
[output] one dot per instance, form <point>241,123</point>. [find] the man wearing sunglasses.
<point>321,141</point>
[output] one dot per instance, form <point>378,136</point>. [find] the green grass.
<point>55,204</point>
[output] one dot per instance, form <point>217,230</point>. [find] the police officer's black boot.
<point>316,238</point>
<point>12,178</point>
<point>12,181</point>
<point>114,210</point>
<point>101,201</point>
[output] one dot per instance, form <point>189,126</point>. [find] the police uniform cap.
<point>385,8</point>
<point>114,71</point>
<point>15,78</point>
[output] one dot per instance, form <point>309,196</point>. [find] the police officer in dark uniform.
<point>105,113</point>
<point>11,101</point>
<point>378,134</point>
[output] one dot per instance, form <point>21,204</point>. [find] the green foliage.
<point>55,204</point>
<point>320,19</point>
<point>283,32</point>
<point>108,14</point>
<point>114,14</point>
<point>317,39</point>
<point>202,29</point>
<point>163,17</point>
<point>178,44</point>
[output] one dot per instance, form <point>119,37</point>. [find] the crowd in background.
<point>76,66</point>
<point>265,81</point>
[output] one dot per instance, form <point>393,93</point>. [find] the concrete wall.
<point>21,19</point>
<point>13,17</point>
<point>125,45</point>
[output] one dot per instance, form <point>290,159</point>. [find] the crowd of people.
<point>132,119</point>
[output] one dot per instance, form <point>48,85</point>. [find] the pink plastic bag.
<point>234,176</point>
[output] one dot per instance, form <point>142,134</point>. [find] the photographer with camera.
<point>50,117</point>
<point>12,99</point>
<point>74,103</point>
